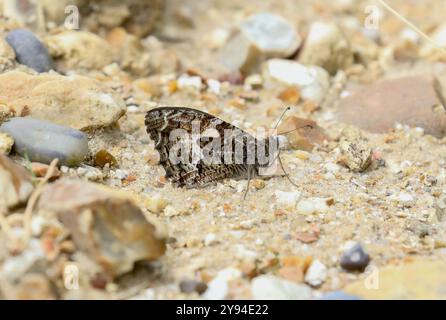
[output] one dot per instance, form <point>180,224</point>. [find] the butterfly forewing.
<point>168,125</point>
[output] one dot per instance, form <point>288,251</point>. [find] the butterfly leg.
<point>249,181</point>
<point>286,173</point>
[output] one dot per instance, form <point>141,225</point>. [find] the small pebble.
<point>29,50</point>
<point>210,239</point>
<point>288,199</point>
<point>121,174</point>
<point>40,170</point>
<point>316,274</point>
<point>312,206</point>
<point>338,295</point>
<point>191,286</point>
<point>356,152</point>
<point>103,157</point>
<point>355,259</point>
<point>190,81</point>
<point>218,288</point>
<point>43,141</point>
<point>312,81</point>
<point>156,204</point>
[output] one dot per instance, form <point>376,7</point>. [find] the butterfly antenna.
<point>281,117</point>
<point>309,126</point>
<point>286,173</point>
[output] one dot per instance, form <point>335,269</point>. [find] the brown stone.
<point>413,101</point>
<point>307,237</point>
<point>292,273</point>
<point>105,224</point>
<point>290,95</point>
<point>307,133</point>
<point>41,169</point>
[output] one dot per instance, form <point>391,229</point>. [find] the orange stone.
<point>290,95</point>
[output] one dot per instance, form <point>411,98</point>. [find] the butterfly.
<point>237,153</point>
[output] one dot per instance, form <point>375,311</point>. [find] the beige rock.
<point>326,46</point>
<point>137,16</point>
<point>129,51</point>
<point>258,38</point>
<point>33,286</point>
<point>6,143</point>
<point>15,184</point>
<point>24,276</point>
<point>156,204</point>
<point>75,101</point>
<point>313,81</point>
<point>73,50</point>
<point>105,224</point>
<point>417,279</point>
<point>23,13</point>
<point>7,56</point>
<point>356,152</point>
<point>428,50</point>
<point>240,54</point>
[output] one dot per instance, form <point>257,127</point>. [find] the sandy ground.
<point>252,234</point>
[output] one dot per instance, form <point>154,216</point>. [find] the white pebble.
<point>214,86</point>
<point>316,274</point>
<point>188,81</point>
<point>288,199</point>
<point>219,286</point>
<point>121,174</point>
<point>312,206</point>
<point>210,239</point>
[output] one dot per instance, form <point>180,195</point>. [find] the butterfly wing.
<point>162,122</point>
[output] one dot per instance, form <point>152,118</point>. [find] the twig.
<point>25,219</point>
<point>27,216</point>
<point>411,25</point>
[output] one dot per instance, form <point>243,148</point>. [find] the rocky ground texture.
<point>365,220</point>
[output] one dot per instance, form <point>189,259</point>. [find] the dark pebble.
<point>29,50</point>
<point>355,259</point>
<point>190,286</point>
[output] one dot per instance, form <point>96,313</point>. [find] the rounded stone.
<point>29,50</point>
<point>42,141</point>
<point>355,259</point>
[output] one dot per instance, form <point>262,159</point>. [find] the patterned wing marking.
<point>160,122</point>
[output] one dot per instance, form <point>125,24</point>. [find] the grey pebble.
<point>355,259</point>
<point>29,50</point>
<point>43,141</point>
<point>190,286</point>
<point>338,295</point>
